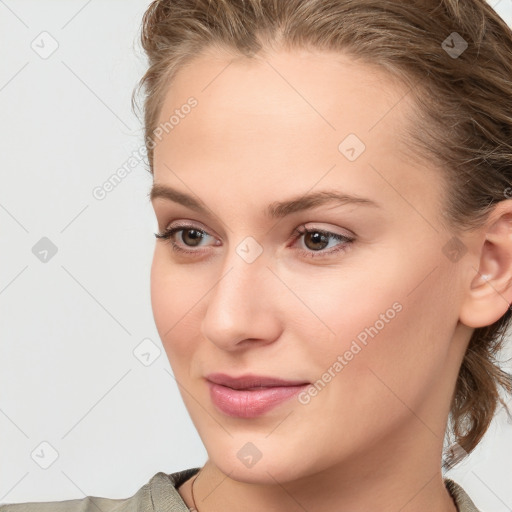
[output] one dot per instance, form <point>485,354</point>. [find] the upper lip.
<point>251,381</point>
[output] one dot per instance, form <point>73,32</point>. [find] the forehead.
<point>283,118</point>
<point>331,90</point>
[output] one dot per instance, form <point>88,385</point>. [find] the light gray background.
<point>68,373</point>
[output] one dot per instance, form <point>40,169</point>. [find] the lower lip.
<point>243,403</point>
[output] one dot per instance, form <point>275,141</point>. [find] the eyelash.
<point>167,234</point>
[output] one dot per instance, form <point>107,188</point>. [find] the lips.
<point>251,381</point>
<point>249,396</point>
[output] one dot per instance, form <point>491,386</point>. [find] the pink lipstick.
<point>249,396</point>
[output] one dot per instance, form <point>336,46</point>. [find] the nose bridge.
<point>245,269</point>
<point>238,306</point>
<point>240,287</point>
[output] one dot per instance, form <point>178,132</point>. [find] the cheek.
<point>393,332</point>
<point>387,369</point>
<point>173,301</point>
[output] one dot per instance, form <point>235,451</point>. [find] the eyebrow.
<point>275,210</point>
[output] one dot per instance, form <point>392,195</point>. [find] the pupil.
<point>197,234</point>
<point>318,238</point>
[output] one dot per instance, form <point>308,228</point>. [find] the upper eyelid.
<point>298,231</point>
<point>186,225</point>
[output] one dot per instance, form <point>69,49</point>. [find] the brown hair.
<point>463,118</point>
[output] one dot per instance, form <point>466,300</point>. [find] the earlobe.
<point>489,292</point>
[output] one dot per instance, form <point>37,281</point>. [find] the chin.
<point>261,462</point>
<point>263,473</point>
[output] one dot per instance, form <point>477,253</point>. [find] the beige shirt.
<point>160,495</point>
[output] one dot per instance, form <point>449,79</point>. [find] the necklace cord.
<point>192,491</point>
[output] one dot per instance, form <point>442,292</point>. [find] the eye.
<point>315,237</point>
<point>315,240</point>
<point>193,234</point>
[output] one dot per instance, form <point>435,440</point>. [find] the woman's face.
<point>369,319</point>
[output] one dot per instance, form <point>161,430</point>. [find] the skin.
<point>265,130</point>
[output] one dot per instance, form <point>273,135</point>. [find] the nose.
<point>241,308</point>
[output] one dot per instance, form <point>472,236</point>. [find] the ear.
<point>489,292</point>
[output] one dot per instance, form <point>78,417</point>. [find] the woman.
<point>332,274</point>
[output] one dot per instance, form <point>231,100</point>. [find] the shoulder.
<point>160,493</point>
<point>462,499</point>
